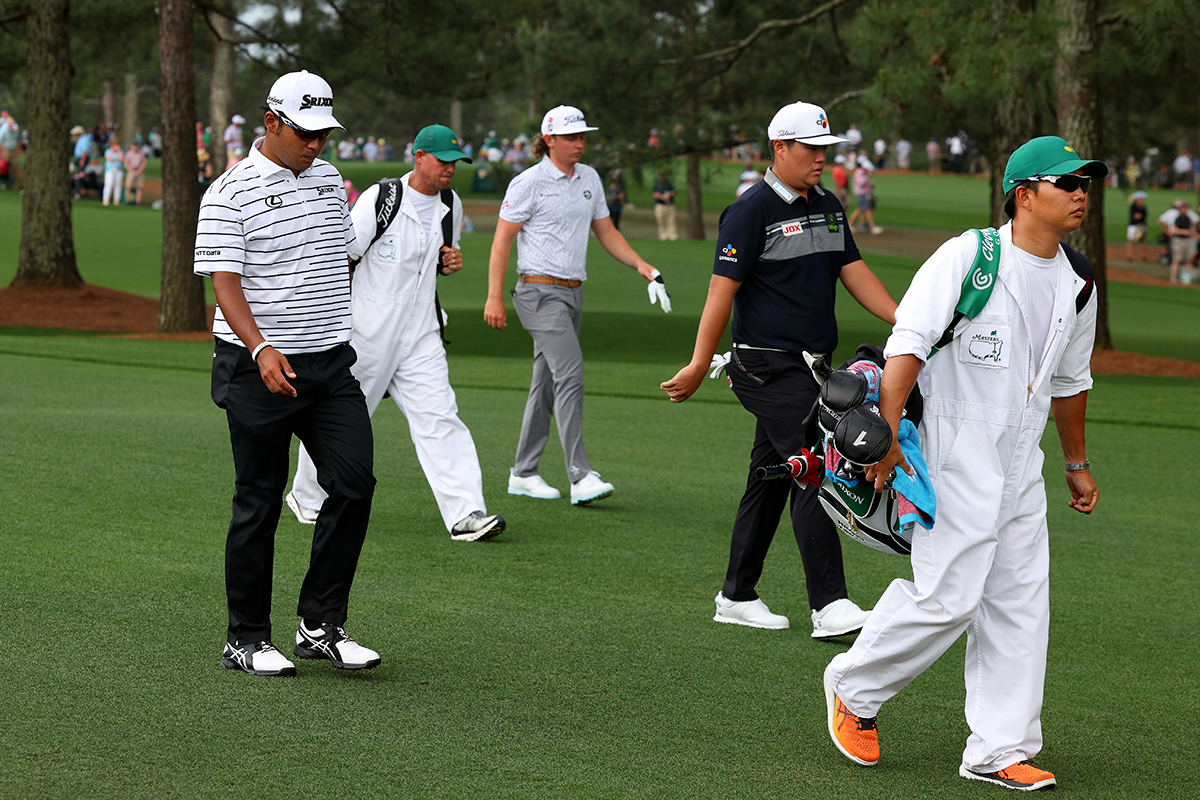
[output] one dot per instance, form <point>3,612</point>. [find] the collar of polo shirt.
<point>265,165</point>
<point>781,189</point>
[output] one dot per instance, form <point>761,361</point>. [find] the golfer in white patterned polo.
<point>548,210</point>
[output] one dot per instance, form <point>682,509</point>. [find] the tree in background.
<point>47,255</point>
<point>706,76</point>
<point>1080,123</point>
<point>181,302</point>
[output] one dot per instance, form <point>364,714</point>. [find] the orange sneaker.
<point>1021,775</point>
<point>855,736</point>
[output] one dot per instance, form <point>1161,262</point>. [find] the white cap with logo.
<point>304,99</point>
<point>564,120</point>
<point>803,122</point>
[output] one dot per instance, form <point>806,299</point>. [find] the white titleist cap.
<point>803,122</point>
<point>304,99</point>
<point>562,120</point>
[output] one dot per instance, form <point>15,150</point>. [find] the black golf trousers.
<point>778,389</point>
<point>329,414</point>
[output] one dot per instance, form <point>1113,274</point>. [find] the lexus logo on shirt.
<point>274,201</point>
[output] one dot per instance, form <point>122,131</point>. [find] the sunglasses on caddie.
<point>307,136</point>
<point>1068,183</point>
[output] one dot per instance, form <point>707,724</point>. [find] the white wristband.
<point>259,349</point>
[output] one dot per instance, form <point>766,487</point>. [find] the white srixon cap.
<point>305,99</point>
<point>563,120</point>
<point>803,122</point>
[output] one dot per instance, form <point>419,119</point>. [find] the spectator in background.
<point>1133,172</point>
<point>841,180</point>
<point>748,178</point>
<point>614,197</point>
<point>517,157</point>
<point>204,172</point>
<point>904,150</point>
<point>156,143</point>
<point>135,174</point>
<point>1135,233</point>
<point>1181,225</point>
<point>82,144</point>
<point>10,135</point>
<point>238,155</point>
<point>345,149</point>
<point>114,172</point>
<point>958,153</point>
<point>933,152</point>
<point>854,137</point>
<point>469,149</point>
<point>371,150</point>
<point>387,150</point>
<point>1182,166</point>
<point>233,137</point>
<point>880,152</point>
<point>864,194</point>
<point>200,136</point>
<point>351,193</point>
<point>664,207</point>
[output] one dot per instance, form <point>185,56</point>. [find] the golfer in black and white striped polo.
<point>274,233</point>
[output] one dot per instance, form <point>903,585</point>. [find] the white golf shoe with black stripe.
<point>257,658</point>
<point>331,642</point>
<point>477,526</point>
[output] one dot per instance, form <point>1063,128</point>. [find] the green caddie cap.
<point>1047,155</point>
<point>441,143</point>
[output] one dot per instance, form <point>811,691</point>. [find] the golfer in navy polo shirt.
<point>782,248</point>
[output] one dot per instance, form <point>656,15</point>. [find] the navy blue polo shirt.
<point>788,253</point>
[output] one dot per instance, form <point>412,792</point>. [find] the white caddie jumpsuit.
<point>400,352</point>
<point>984,567</point>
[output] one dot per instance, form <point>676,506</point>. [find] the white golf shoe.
<point>588,488</point>
<point>305,516</point>
<point>533,486</point>
<point>753,613</point>
<point>257,658</point>
<point>477,526</point>
<point>838,618</point>
<point>331,642</point>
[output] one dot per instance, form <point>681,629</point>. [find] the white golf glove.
<point>658,292</point>
<point>719,362</point>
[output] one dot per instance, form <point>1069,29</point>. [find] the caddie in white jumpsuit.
<point>984,567</point>
<point>396,334</point>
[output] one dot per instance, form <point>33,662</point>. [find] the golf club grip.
<point>792,468</point>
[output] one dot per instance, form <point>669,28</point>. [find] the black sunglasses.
<point>307,136</point>
<point>1068,183</point>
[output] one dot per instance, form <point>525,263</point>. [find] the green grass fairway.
<point>574,656</point>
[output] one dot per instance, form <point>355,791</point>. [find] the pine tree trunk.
<point>129,107</point>
<point>181,304</point>
<point>1016,117</point>
<point>47,256</point>
<point>1079,122</point>
<point>220,94</point>
<point>695,197</point>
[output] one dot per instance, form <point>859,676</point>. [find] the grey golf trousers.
<point>551,315</point>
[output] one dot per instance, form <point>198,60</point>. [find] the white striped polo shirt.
<point>557,212</point>
<point>288,237</point>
